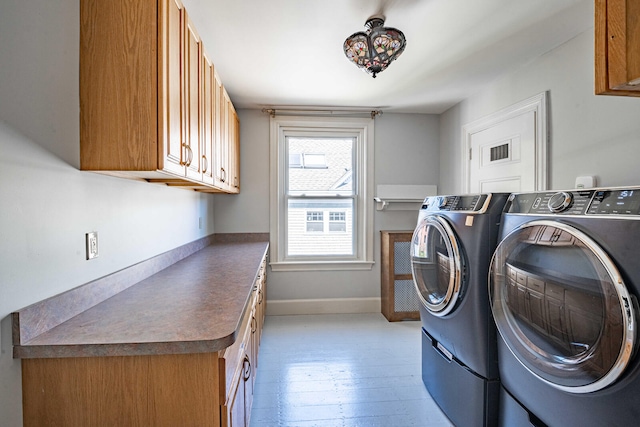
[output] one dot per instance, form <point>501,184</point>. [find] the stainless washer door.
<point>436,264</point>
<point>561,306</point>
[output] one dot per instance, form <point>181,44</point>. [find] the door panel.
<point>503,156</point>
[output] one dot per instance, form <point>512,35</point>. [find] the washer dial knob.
<point>442,202</point>
<point>560,201</point>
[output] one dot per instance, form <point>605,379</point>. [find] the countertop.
<point>193,306</point>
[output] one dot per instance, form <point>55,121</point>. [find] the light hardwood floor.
<point>341,370</point>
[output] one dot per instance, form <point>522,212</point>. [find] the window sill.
<point>322,265</point>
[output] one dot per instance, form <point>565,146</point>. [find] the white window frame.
<point>362,130</point>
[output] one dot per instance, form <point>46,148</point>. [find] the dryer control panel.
<point>614,201</point>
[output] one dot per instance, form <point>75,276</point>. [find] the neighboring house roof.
<point>337,174</point>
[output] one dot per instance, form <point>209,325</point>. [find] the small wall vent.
<point>500,152</point>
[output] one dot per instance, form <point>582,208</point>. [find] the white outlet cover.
<point>91,244</point>
<point>585,182</point>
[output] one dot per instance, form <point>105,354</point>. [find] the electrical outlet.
<point>92,244</point>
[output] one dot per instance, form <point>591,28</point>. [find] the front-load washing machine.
<point>450,253</point>
<point>564,282</point>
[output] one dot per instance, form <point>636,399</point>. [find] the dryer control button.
<point>536,203</point>
<point>560,201</point>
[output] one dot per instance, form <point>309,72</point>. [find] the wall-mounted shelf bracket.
<point>402,197</point>
<point>397,204</point>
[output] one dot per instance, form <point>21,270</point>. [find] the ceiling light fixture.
<point>374,49</point>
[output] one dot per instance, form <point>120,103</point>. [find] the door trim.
<point>537,104</point>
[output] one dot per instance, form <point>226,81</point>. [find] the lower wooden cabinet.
<point>239,362</point>
<point>160,390</point>
<point>204,389</point>
<point>239,397</point>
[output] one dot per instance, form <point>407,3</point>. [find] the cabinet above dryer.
<point>148,108</point>
<point>617,47</point>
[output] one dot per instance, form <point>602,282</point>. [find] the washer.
<point>563,286</point>
<point>450,253</point>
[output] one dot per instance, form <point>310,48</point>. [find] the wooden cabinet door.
<point>221,151</point>
<point>240,390</point>
<point>172,156</point>
<point>208,120</point>
<point>234,149</point>
<point>236,406</point>
<point>193,101</point>
<point>183,65</point>
<point>248,378</point>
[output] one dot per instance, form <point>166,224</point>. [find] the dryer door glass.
<point>436,264</point>
<point>561,306</point>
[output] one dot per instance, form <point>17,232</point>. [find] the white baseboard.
<point>323,306</point>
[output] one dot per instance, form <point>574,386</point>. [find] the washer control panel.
<point>471,203</point>
<point>614,201</point>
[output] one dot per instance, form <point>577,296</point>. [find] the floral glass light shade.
<point>374,49</point>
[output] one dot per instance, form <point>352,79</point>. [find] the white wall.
<point>406,152</point>
<point>589,134</point>
<point>47,204</point>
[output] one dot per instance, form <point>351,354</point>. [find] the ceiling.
<point>289,52</point>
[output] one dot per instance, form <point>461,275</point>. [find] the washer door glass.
<point>561,306</point>
<point>436,265</point>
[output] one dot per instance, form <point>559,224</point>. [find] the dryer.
<point>450,253</point>
<point>564,282</point>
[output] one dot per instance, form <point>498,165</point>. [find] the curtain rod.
<point>321,111</point>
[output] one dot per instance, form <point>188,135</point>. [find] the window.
<point>314,160</point>
<point>295,160</point>
<point>337,221</point>
<point>307,160</point>
<point>315,221</point>
<point>321,193</point>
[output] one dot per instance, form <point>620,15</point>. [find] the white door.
<point>506,151</point>
<point>502,157</point>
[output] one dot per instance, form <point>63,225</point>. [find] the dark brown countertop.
<point>193,306</point>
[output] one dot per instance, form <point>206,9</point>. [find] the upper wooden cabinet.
<point>150,100</point>
<point>617,47</point>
